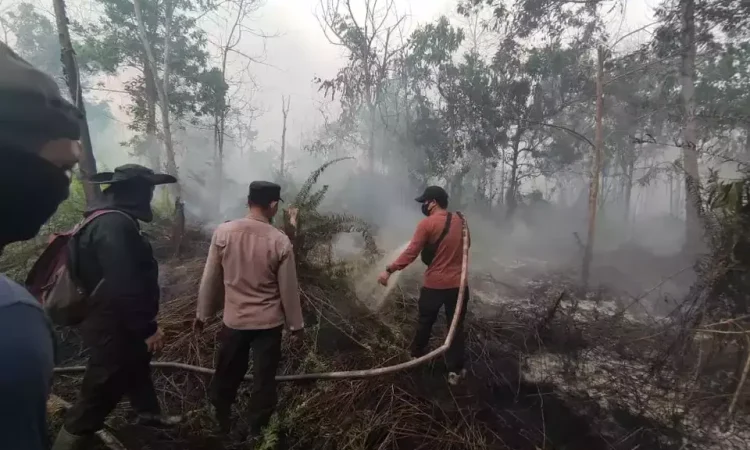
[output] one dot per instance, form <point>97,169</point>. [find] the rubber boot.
<point>69,441</point>
<point>455,378</point>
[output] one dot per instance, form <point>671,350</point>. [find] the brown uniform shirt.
<point>250,267</point>
<point>445,270</point>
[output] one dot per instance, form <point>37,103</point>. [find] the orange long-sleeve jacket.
<point>445,270</point>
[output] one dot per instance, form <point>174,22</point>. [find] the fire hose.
<point>347,374</point>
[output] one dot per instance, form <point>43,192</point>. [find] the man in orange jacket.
<point>439,240</point>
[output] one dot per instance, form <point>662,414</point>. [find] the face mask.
<point>135,196</point>
<point>426,208</point>
<point>31,189</point>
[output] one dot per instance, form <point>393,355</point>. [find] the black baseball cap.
<point>264,192</point>
<point>130,172</point>
<point>432,193</point>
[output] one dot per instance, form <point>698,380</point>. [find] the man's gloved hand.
<point>156,341</point>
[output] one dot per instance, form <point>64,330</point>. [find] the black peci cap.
<point>264,192</point>
<point>432,193</point>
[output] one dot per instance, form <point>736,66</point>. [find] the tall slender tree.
<point>372,40</point>
<point>596,167</point>
<point>113,43</point>
<point>72,78</point>
<point>285,102</point>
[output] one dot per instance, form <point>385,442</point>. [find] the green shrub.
<point>318,230</point>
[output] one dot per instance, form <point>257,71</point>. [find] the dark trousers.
<point>231,366</point>
<point>430,302</point>
<point>109,376</point>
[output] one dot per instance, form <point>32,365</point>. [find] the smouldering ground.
<point>577,373</point>
<point>600,345</point>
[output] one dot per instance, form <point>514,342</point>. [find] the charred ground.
<point>551,367</point>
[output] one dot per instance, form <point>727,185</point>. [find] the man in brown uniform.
<point>251,267</point>
<point>439,239</point>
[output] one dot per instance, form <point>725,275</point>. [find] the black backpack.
<point>429,250</point>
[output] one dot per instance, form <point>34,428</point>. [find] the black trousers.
<point>231,366</point>
<point>113,372</point>
<point>430,302</point>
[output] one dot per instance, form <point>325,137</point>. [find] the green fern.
<point>317,230</point>
<point>304,192</point>
<point>730,198</point>
<point>723,271</point>
<point>316,198</point>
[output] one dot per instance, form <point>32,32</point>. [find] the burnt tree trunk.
<point>491,184</point>
<point>285,114</point>
<point>87,163</point>
<point>291,227</point>
<point>457,185</point>
<point>371,140</point>
<point>629,171</point>
<point>511,195</point>
<point>501,196</point>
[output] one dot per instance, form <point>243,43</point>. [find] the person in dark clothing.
<point>114,263</point>
<point>39,134</point>
<point>439,238</point>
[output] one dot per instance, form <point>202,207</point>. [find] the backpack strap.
<point>446,229</point>
<point>100,213</point>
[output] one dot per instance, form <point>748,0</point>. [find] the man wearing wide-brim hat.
<point>114,263</point>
